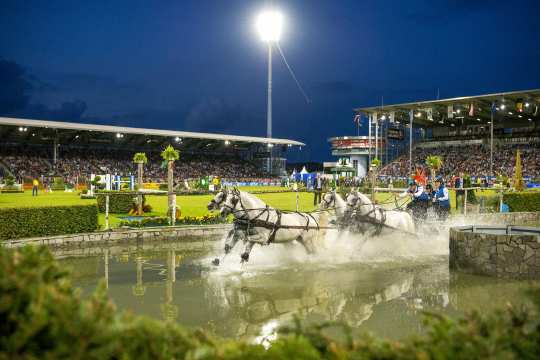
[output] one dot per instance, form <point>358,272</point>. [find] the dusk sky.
<point>200,66</point>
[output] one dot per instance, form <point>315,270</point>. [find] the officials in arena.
<point>317,189</point>
<point>35,186</point>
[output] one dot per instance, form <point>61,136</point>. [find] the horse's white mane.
<point>364,198</point>
<point>250,201</point>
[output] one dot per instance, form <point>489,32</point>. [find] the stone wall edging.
<point>514,256</point>
<point>121,235</point>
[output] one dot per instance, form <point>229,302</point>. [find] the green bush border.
<point>522,201</point>
<point>18,223</point>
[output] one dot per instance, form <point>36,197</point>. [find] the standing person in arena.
<point>35,185</point>
<point>441,199</point>
<point>317,190</point>
<point>458,185</point>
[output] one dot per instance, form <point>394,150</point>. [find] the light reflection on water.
<point>387,298</point>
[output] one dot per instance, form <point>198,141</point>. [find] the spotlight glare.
<point>503,106</point>
<point>269,24</point>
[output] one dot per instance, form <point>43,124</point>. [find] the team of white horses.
<point>257,223</point>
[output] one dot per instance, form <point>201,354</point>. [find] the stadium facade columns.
<point>355,151</point>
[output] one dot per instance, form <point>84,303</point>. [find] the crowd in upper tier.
<point>473,160</point>
<point>77,165</point>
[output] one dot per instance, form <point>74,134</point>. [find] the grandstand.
<point>478,135</point>
<point>37,148</point>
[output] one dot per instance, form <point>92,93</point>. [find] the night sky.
<point>200,66</point>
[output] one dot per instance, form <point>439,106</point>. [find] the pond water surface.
<point>387,298</point>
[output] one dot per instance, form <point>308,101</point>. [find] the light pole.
<point>269,24</point>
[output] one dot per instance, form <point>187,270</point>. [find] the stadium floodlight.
<point>227,142</point>
<point>527,104</point>
<point>177,139</point>
<point>269,25</point>
<point>510,113</point>
<point>503,106</point>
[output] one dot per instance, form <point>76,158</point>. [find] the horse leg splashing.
<point>307,244</point>
<point>233,237</point>
<point>247,250</point>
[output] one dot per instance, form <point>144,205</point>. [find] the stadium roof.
<point>527,100</point>
<point>68,131</point>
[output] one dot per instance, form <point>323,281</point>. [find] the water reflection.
<point>386,298</point>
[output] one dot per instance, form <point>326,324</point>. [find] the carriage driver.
<point>441,199</point>
<point>420,200</point>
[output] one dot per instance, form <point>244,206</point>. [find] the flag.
<point>392,117</point>
<point>471,110</point>
<point>450,111</point>
<point>493,106</point>
<point>357,119</point>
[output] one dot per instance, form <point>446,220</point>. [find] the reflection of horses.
<point>368,212</point>
<point>256,222</point>
<point>344,294</point>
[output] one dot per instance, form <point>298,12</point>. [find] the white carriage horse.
<point>257,223</point>
<point>333,200</point>
<point>382,218</point>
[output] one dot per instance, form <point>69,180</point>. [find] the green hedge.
<point>119,203</point>
<point>522,201</point>
<point>42,316</point>
<point>18,223</point>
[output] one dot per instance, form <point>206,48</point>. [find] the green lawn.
<point>192,205</point>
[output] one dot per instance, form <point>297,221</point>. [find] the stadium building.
<point>54,140</point>
<point>494,125</point>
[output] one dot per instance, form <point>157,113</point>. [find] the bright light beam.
<point>269,25</point>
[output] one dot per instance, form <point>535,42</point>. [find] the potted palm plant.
<point>434,163</point>
<point>170,155</point>
<point>140,159</point>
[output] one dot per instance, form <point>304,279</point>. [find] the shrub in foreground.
<point>43,316</point>
<point>18,223</point>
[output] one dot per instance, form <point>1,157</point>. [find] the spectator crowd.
<point>472,159</point>
<point>76,166</point>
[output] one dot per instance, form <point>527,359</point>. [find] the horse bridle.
<point>213,201</point>
<point>327,203</point>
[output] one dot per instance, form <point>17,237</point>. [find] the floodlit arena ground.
<point>191,205</point>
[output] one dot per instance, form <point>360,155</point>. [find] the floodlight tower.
<point>269,25</point>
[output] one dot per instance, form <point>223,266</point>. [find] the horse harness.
<point>246,224</point>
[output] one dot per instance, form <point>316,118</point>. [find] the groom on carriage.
<point>419,200</point>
